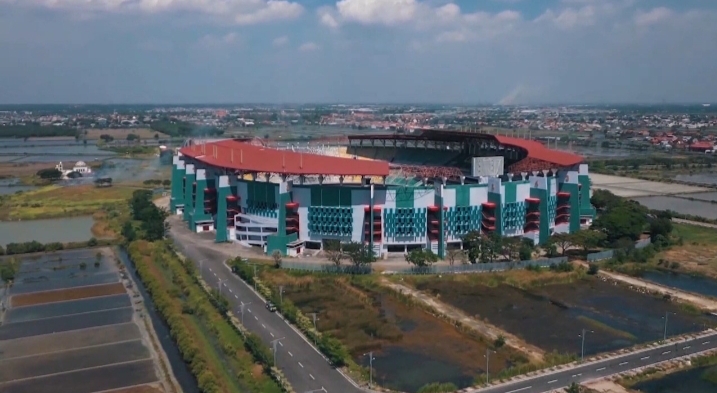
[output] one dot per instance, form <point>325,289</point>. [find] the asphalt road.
<point>304,367</point>
<point>607,367</point>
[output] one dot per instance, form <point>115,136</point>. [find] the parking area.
<point>74,324</point>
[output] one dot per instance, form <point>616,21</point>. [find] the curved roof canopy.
<point>242,156</point>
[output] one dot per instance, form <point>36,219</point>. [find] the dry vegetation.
<point>62,295</point>
<point>698,252</point>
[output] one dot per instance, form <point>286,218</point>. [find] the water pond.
<point>679,205</point>
<point>64,230</point>
<point>690,283</point>
<point>696,380</point>
<point>12,186</point>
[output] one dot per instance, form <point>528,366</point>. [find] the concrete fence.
<point>607,254</point>
<point>436,269</point>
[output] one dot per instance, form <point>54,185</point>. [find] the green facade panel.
<point>463,196</point>
<point>404,197</point>
<point>189,198</point>
<point>222,233</point>
<point>177,198</point>
<point>511,191</point>
<point>544,233</point>
<point>201,197</point>
<point>586,208</point>
<point>278,242</point>
<point>331,196</point>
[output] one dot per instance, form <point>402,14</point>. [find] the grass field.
<point>698,252</point>
<point>55,201</point>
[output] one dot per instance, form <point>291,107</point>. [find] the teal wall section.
<point>189,199</point>
<point>278,242</point>
<point>463,196</point>
<point>177,198</point>
<point>404,197</point>
<point>331,196</point>
<point>586,209</point>
<point>199,202</point>
<point>511,191</point>
<point>222,233</point>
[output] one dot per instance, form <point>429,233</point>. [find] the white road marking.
<point>262,325</point>
<point>646,357</point>
<point>279,342</point>
<point>214,274</point>
<point>236,296</point>
<point>256,317</point>
<point>687,347</point>
<point>622,364</point>
<point>302,366</point>
<point>666,352</point>
<point>600,369</point>
<point>230,290</point>
<point>248,309</point>
<point>553,381</point>
<point>210,269</point>
<point>290,354</point>
<point>518,390</point>
<point>272,334</point>
<point>312,377</point>
<point>577,375</point>
<point>705,343</point>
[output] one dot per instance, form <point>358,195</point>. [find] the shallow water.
<point>688,381</point>
<point>679,205</point>
<point>685,282</point>
<point>63,230</point>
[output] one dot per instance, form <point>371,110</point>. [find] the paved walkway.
<point>485,329</point>
<point>696,223</point>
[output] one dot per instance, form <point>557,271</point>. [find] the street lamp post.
<point>281,295</point>
<point>273,345</point>
<point>582,347</point>
<point>313,314</point>
<point>220,285</point>
<point>243,305</point>
<point>664,334</point>
<point>370,368</point>
<point>487,365</point>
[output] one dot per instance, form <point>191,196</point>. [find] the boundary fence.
<point>607,254</point>
<point>436,269</point>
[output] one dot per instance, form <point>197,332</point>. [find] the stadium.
<point>395,192</point>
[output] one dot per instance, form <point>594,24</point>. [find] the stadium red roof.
<point>231,154</point>
<point>538,151</point>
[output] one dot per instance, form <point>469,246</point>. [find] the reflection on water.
<point>12,186</point>
<point>685,282</point>
<point>407,371</point>
<point>697,380</point>
<point>679,205</point>
<point>64,230</point>
<point>704,178</point>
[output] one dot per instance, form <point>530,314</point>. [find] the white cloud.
<point>281,41</point>
<point>386,12</point>
<point>239,11</point>
<point>653,16</point>
<point>309,47</point>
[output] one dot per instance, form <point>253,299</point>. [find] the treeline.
<point>181,300</point>
<point>149,217</point>
<point>697,160</point>
<point>35,246</point>
<point>330,346</point>
<point>36,131</point>
<point>183,129</point>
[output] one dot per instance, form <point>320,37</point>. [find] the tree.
<point>509,248</point>
<point>49,174</point>
<point>421,257</point>
<point>92,242</point>
<point>473,242</point>
<point>573,388</point>
<point>156,136</point>
<point>106,138</point>
<point>525,253</point>
<point>625,220</point>
<point>454,256</point>
<point>588,240</point>
<point>593,269</point>
<point>499,342</point>
<point>359,254</point>
<point>333,252</point>
<point>603,199</point>
<point>660,227</point>
<point>132,137</point>
<point>276,256</point>
<point>563,241</point>
<point>128,232</point>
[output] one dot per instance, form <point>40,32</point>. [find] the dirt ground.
<point>606,386</point>
<point>374,320</point>
<point>121,134</point>
<point>61,295</point>
<point>140,389</point>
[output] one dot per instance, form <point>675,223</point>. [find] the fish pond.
<point>63,230</point>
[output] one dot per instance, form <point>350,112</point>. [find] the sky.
<point>358,51</point>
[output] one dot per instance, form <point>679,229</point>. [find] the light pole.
<point>220,285</point>
<point>487,365</point>
<point>273,345</point>
<point>370,368</point>
<point>582,347</point>
<point>664,334</point>
<point>201,267</point>
<point>313,314</point>
<point>243,305</point>
<point>281,295</point>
